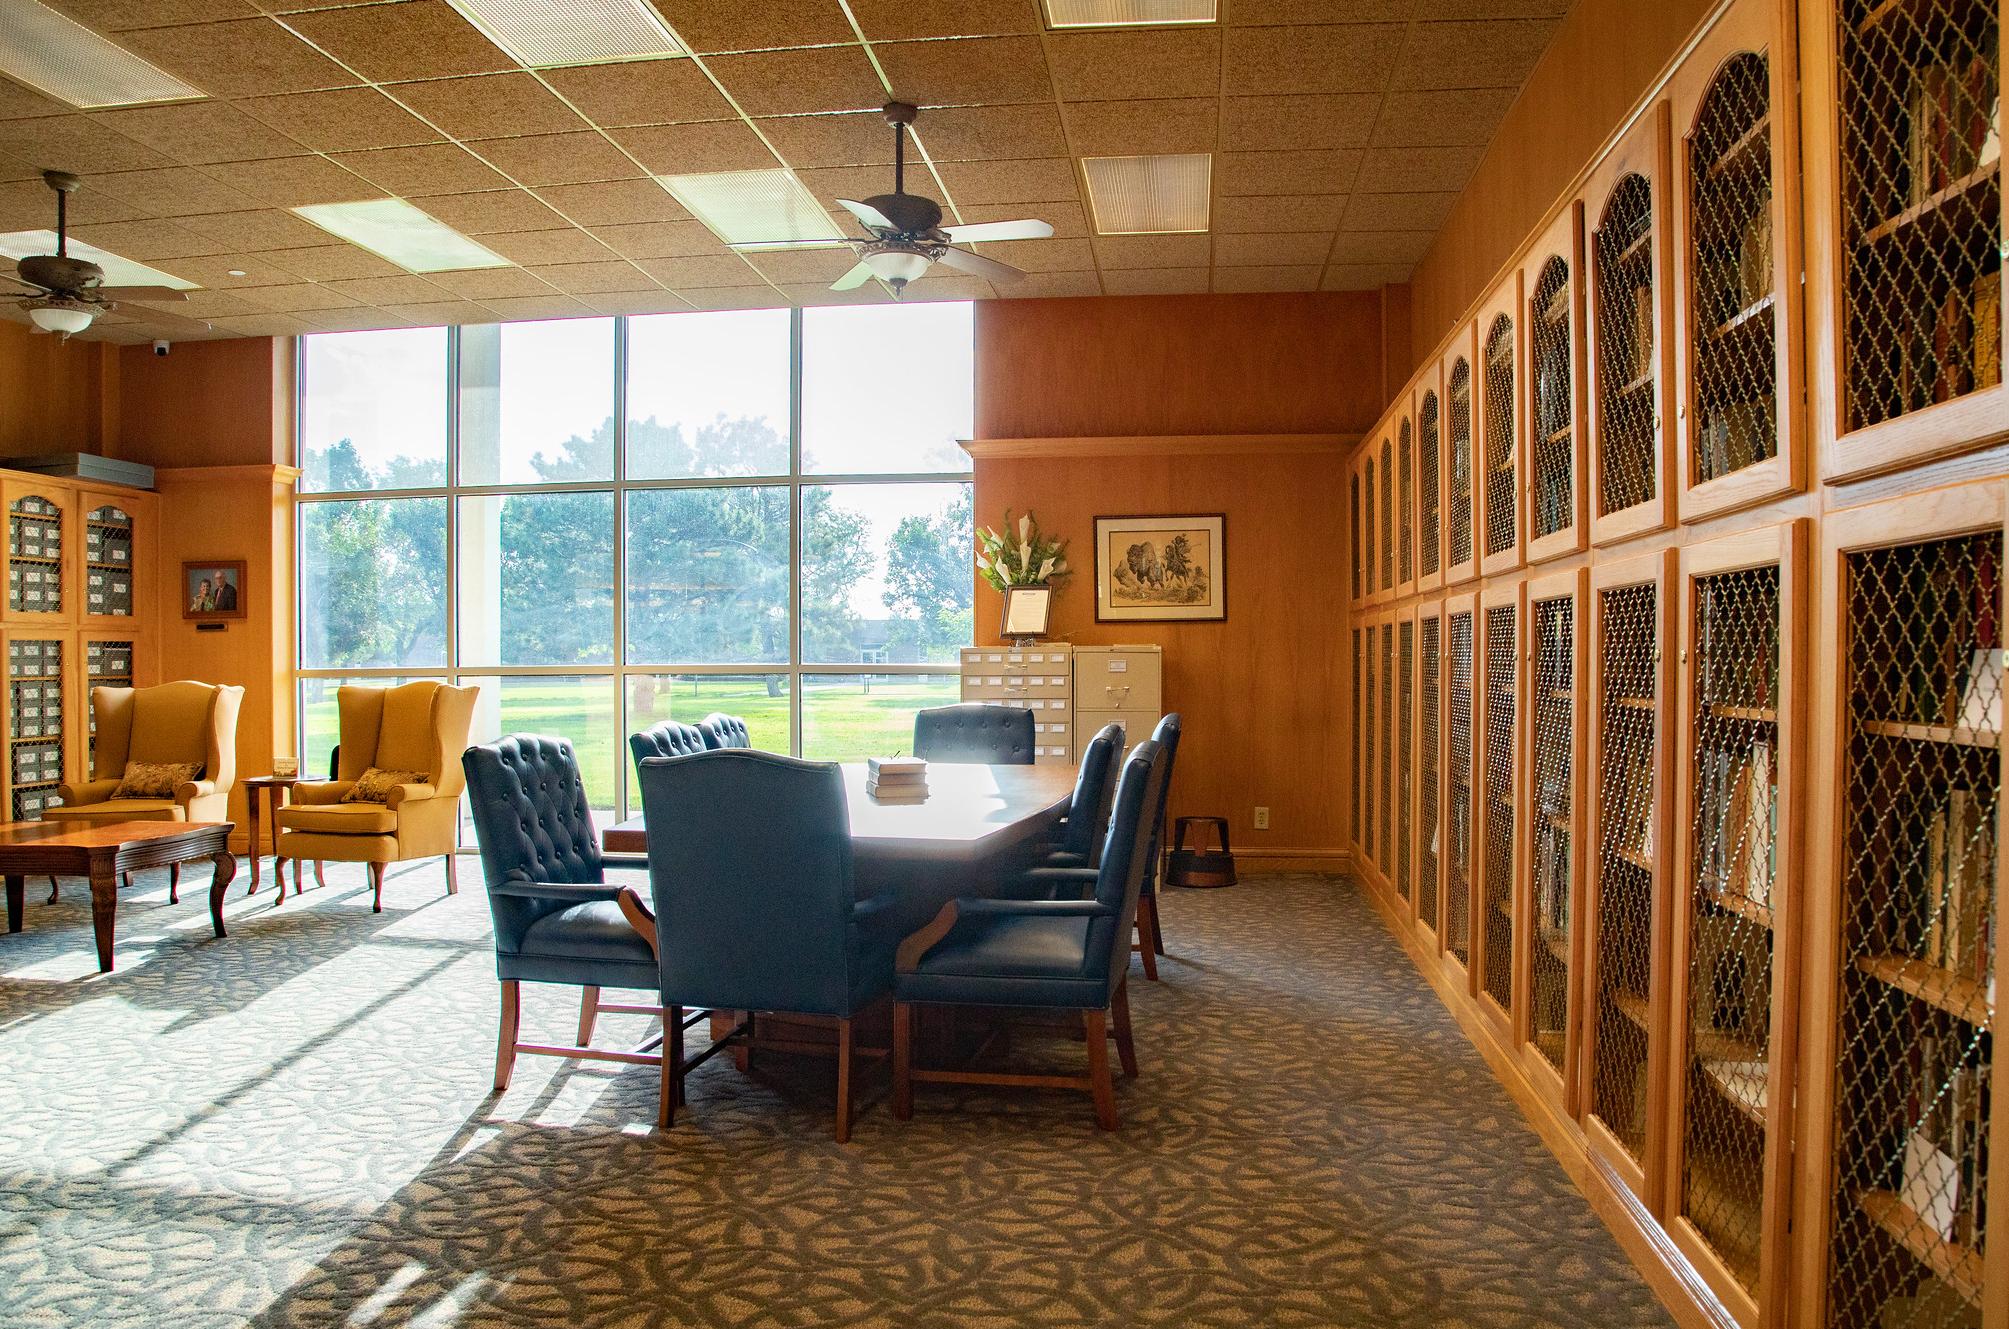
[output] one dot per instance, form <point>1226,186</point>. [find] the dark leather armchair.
<point>724,731</point>
<point>740,842</point>
<point>1079,844</point>
<point>975,735</point>
<point>1056,954</point>
<point>557,918</point>
<point>667,738</point>
<point>1150,937</point>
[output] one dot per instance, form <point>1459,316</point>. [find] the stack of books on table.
<point>897,779</point>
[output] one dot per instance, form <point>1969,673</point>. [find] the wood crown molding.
<point>255,470</point>
<point>1157,445</point>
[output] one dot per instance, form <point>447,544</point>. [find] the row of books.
<point>1940,1173</point>
<point>1956,125</point>
<point>1738,809</point>
<point>1956,931</point>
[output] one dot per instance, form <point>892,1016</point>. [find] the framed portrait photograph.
<point>1161,569</point>
<point>213,589</point>
<point>1026,610</point>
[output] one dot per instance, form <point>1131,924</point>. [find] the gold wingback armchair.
<point>420,728</point>
<point>172,724</point>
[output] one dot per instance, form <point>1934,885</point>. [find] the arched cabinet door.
<point>1460,496</point>
<point>1426,398</point>
<point>41,552</point>
<point>1553,456</point>
<point>1499,429</point>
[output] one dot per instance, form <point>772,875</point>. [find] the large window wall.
<point>609,522</point>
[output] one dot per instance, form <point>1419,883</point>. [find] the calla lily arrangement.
<point>1030,559</point>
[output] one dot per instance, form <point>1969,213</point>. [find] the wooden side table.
<point>256,789</point>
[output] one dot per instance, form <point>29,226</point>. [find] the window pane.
<point>849,717</point>
<point>565,706</point>
<point>708,576</point>
<point>373,583</point>
<point>759,699</point>
<point>860,414</point>
<point>887,573</point>
<point>537,401</point>
<point>708,394</point>
<point>320,722</point>
<point>373,410</point>
<point>537,579</point>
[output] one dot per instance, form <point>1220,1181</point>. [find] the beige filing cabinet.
<point>1122,685</point>
<point>1039,678</point>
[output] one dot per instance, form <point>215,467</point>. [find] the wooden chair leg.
<point>1145,926</point>
<point>1126,1047</point>
<point>319,879</point>
<point>55,888</point>
<point>125,881</point>
<point>1157,931</point>
<point>279,881</point>
<point>376,886</point>
<point>174,883</point>
<point>903,1061</point>
<point>453,880</point>
<point>1097,1029</point>
<point>505,1043</point>
<point>844,1081</point>
<point>670,1086</point>
<point>589,1012</point>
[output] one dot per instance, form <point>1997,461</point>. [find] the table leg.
<point>17,900</point>
<point>253,796</point>
<point>226,868</point>
<point>104,904</point>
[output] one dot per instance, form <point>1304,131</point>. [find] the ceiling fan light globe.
<point>63,318</point>
<point>897,267</point>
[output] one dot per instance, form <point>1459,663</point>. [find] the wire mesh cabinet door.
<point>1552,284</point>
<point>1384,777</point>
<point>1501,429</point>
<point>1632,439</point>
<point>1370,745</point>
<point>1370,587</point>
<point>1737,800</point>
<point>1552,721</point>
<point>1737,264</point>
<point>1461,624</point>
<point>1904,182</point>
<point>1501,923</point>
<point>1427,398</point>
<point>1462,535</point>
<point>1430,771</point>
<point>1405,759</point>
<point>1354,533</point>
<point>1405,500</point>
<point>1625,971</point>
<point>1904,1138</point>
<point>1357,808</point>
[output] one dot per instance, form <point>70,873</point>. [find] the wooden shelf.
<point>1631,703</point>
<point>1559,435</point>
<point>1744,1083</point>
<point>1740,905</point>
<point>1633,1008</point>
<point>1963,998</point>
<point>1635,249</point>
<point>1745,149</point>
<point>1932,205</point>
<point>1743,318</point>
<point>1932,733</point>
<point>1749,714</point>
<point>1633,387</point>
<point>35,558</point>
<point>1558,307</point>
<point>1956,1266</point>
<point>1556,945</point>
<point>1636,859</point>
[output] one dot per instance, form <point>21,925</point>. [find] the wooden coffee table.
<point>103,853</point>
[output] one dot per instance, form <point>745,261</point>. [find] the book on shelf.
<point>1955,125</point>
<point>1959,887</point>
<point>1986,322</point>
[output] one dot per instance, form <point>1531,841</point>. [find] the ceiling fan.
<point>907,234</point>
<point>71,291</point>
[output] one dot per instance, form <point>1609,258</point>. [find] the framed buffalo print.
<point>1161,569</point>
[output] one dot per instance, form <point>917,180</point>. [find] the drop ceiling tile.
<point>1297,248</point>
<point>1432,119</point>
<point>1332,57</point>
<point>708,26</point>
<point>855,138</point>
<point>388,42</point>
<point>1278,212</point>
<point>19,103</point>
<point>1011,181</point>
<point>349,120</point>
<point>1397,212</point>
<point>514,308</point>
<point>614,203</point>
<point>734,297</point>
<point>299,297</point>
<point>570,245</point>
<point>1162,62</point>
<point>804,265</point>
<point>208,305</point>
<point>363,318</point>
<point>489,283</point>
<point>812,295</point>
<point>213,271</point>
<point>1487,54</point>
<point>292,182</point>
<point>1129,128</point>
<point>173,191</point>
<point>1256,13</point>
<point>148,241</point>
<point>902,20</point>
<point>832,182</point>
<point>254,232</point>
<point>968,72</point>
<point>429,168</point>
<point>634,303</point>
<point>76,143</point>
<point>680,274</point>
<point>242,58</point>
<point>405,289</point>
<point>710,145</point>
<point>1156,281</point>
<point>947,288</point>
<point>1068,219</point>
<point>1153,251</point>
<point>1267,279</point>
<point>817,78</point>
<point>28,205</point>
<point>660,239</point>
<point>120,15</point>
<point>1038,285</point>
<point>491,211</point>
<point>1049,255</point>
<point>1417,170</point>
<point>1363,276</point>
<point>557,159</point>
<point>488,106</point>
<point>325,262</point>
<point>1398,248</point>
<point>976,133</point>
<point>1309,172</point>
<point>265,325</point>
<point>641,92</point>
<point>441,313</point>
<point>199,132</point>
<point>1320,120</point>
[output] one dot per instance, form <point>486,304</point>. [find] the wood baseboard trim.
<point>1326,862</point>
<point>1678,1284</point>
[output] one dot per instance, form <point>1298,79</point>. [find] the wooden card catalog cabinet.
<point>1038,678</point>
<point>38,713</point>
<point>1461,496</point>
<point>1552,281</point>
<point>39,529</point>
<point>1498,450</point>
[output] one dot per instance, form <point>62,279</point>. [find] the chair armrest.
<point>321,791</point>
<point>409,793</point>
<point>569,892</point>
<point>189,790</point>
<point>640,917</point>
<point>1062,883</point>
<point>626,862</point>
<point>90,791</point>
<point>1061,858</point>
<point>917,945</point>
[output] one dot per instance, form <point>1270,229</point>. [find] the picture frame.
<point>213,590</point>
<point>1027,610</point>
<point>1161,569</point>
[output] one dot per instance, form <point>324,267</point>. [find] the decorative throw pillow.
<point>375,786</point>
<point>155,779</point>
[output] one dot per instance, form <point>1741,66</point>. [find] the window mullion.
<point>795,697</point>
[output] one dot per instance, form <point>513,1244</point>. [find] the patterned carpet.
<point>292,1127</point>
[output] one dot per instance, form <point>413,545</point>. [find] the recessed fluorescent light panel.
<point>756,210</point>
<point>118,271</point>
<point>1149,195</point>
<point>550,34</point>
<point>1127,13</point>
<point>394,229</point>
<point>60,56</point>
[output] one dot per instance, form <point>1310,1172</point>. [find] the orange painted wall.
<point>56,396</point>
<point>208,403</point>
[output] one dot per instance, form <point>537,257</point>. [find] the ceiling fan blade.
<point>1026,228</point>
<point>858,275</point>
<point>139,293</point>
<point>873,219</point>
<point>978,266</point>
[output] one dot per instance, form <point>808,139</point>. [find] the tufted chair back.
<point>724,731</point>
<point>531,820</point>
<point>1166,735</point>
<point>1094,793</point>
<point>974,735</point>
<point>1120,876</point>
<point>666,739</point>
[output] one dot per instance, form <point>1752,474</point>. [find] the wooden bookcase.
<point>1356,837</point>
<point>1552,845</point>
<point>1460,445</point>
<point>1632,442</point>
<point>1428,398</point>
<point>1430,771</point>
<point>1501,427</point>
<point>1385,777</point>
<point>41,550</point>
<point>1461,625</point>
<point>1371,741</point>
<point>1498,788</point>
<point>1625,973</point>
<point>1403,791</point>
<point>1552,279</point>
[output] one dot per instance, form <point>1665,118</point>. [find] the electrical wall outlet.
<point>1262,819</point>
